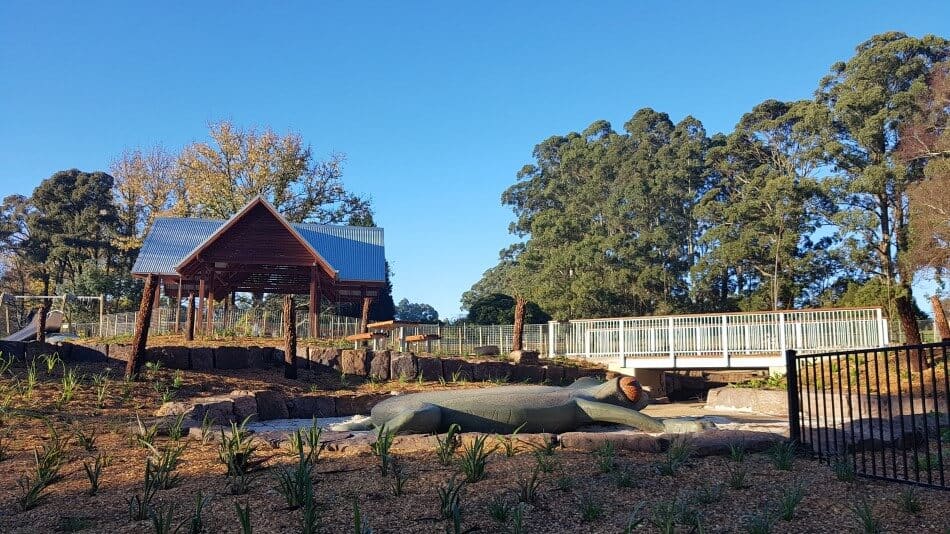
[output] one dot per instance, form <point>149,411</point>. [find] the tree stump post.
<point>142,323</point>
<point>190,318</point>
<point>911,331</point>
<point>41,322</point>
<point>290,337</point>
<point>940,318</point>
<point>518,334</point>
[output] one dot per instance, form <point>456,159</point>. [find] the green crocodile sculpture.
<point>531,408</point>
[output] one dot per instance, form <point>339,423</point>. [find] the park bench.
<point>420,338</point>
<point>374,337</point>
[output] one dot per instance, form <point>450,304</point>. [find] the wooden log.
<point>190,318</point>
<point>142,323</point>
<point>911,331</point>
<point>940,318</point>
<point>416,338</point>
<point>518,334</point>
<point>366,336</point>
<point>290,338</point>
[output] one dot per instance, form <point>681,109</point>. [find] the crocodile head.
<point>624,391</point>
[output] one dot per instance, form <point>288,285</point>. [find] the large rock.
<point>487,350</point>
<point>717,442</point>
<point>14,348</point>
<point>219,410</point>
<point>357,404</point>
<point>232,358</point>
<point>329,357</point>
<point>302,360</point>
<point>571,374</point>
<point>173,408</point>
<point>524,357</point>
<point>457,369</point>
<point>271,405</point>
<point>260,357</point>
<point>121,353</point>
<point>485,371</point>
<point>553,374</point>
<point>379,365</point>
<point>202,358</point>
<point>429,368</point>
<point>84,354</point>
<point>307,406</point>
<point>355,362</point>
<point>771,402</point>
<point>35,349</point>
<point>170,357</point>
<point>527,373</point>
<point>245,405</point>
<point>403,366</point>
<point>622,440</point>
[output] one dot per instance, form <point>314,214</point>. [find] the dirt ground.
<point>574,484</point>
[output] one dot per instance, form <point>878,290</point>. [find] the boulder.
<point>527,373</point>
<point>485,371</point>
<point>84,354</point>
<point>329,357</point>
<point>487,350</point>
<point>379,365</point>
<point>717,442</point>
<point>621,440</point>
<point>271,405</point>
<point>15,348</point>
<point>121,353</point>
<point>307,406</point>
<point>35,349</point>
<point>457,369</point>
<point>202,358</point>
<point>245,404</point>
<point>232,358</point>
<point>218,410</point>
<point>174,408</point>
<point>260,357</point>
<point>357,404</point>
<point>403,366</point>
<point>170,357</point>
<point>354,362</point>
<point>524,357</point>
<point>302,360</point>
<point>430,368</point>
<point>554,374</point>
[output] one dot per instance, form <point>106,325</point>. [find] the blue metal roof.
<point>355,252</point>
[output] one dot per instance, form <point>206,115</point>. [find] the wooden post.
<point>940,319</point>
<point>313,312</point>
<point>518,334</point>
<point>141,327</point>
<point>209,328</point>
<point>202,305</point>
<point>290,338</point>
<point>178,307</point>
<point>41,321</point>
<point>364,319</point>
<point>190,318</point>
<point>911,331</point>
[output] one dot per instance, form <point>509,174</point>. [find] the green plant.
<point>196,522</point>
<point>162,518</point>
<point>783,455</point>
<point>49,459</point>
<point>309,517</point>
<point>360,526</point>
<point>240,483</point>
<point>455,527</point>
<point>665,515</point>
<point>474,459</point>
<point>51,361</point>
<point>294,484</point>
<point>737,477</point>
<point>635,519</point>
<point>908,501</point>
<point>528,488</point>
<point>446,448</point>
<point>176,430</point>
<point>311,439</point>
<point>101,384</point>
<point>589,508</point>
<point>678,453</point>
<point>606,457</point>
<point>70,382</point>
<point>737,452</point>
<point>237,449</point>
<point>380,448</point>
<point>709,493</point>
<point>517,520</point>
<point>5,363</point>
<point>31,492</point>
<point>791,498</point>
<point>759,523</point>
<point>86,440</point>
<point>73,524</point>
<point>30,379</point>
<point>140,504</point>
<point>244,517</point>
<point>206,423</point>
<point>843,468</point>
<point>544,463</point>
<point>928,462</point>
<point>499,509</point>
<point>509,443</point>
<point>3,450</point>
<point>564,482</point>
<point>178,380</point>
<point>548,446</point>
<point>93,472</point>
<point>624,478</point>
<point>864,517</point>
<point>145,435</point>
<point>399,476</point>
<point>449,494</point>
<point>163,463</point>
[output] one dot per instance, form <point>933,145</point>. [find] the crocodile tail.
<point>364,423</point>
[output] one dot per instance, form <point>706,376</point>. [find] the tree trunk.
<point>190,318</point>
<point>940,319</point>
<point>41,322</point>
<point>290,337</point>
<point>364,320</point>
<point>911,332</point>
<point>142,323</point>
<point>518,334</point>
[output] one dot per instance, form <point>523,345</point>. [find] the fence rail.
<point>882,412</point>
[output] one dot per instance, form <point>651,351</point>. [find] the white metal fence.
<point>722,340</point>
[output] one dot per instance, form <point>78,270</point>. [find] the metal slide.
<point>54,320</point>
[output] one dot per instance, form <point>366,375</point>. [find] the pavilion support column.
<point>142,322</point>
<point>202,304</point>
<point>313,312</point>
<point>190,318</point>
<point>209,327</point>
<point>290,338</point>
<point>178,307</point>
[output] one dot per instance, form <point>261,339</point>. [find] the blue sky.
<point>436,104</point>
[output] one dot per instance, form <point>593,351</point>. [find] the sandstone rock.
<point>571,374</point>
<point>487,350</point>
<point>171,357</point>
<point>202,359</point>
<point>64,350</point>
<point>174,408</point>
<point>526,373</point>
<point>245,405</point>
<point>329,357</point>
<point>35,349</point>
<point>121,353</point>
<point>554,374</point>
<point>84,354</point>
<point>413,443</point>
<point>485,371</point>
<point>456,369</point>
<point>219,410</point>
<point>271,405</point>
<point>15,348</point>
<point>260,357</point>
<point>356,444</point>
<point>308,406</point>
<point>357,404</point>
<point>622,440</point>
<point>429,368</point>
<point>354,362</point>
<point>232,358</point>
<point>525,357</point>
<point>403,365</point>
<point>379,365</point>
<point>302,360</point>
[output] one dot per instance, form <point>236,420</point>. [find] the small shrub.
<point>664,516</point>
<point>206,424</point>
<point>86,440</point>
<point>843,468</point>
<point>783,455</point>
<point>31,492</point>
<point>101,383</point>
<point>528,488</point>
<point>399,476</point>
<point>499,509</point>
<point>140,504</point>
<point>908,501</point>
<point>624,478</point>
<point>474,459</point>
<point>449,495</point>
<point>634,520</point>
<point>176,430</point>
<point>517,520</point>
<point>564,482</point>
<point>294,484</point>
<point>240,484</point>
<point>928,462</point>
<point>94,472</point>
<point>737,477</point>
<point>163,463</point>
<point>244,517</point>
<point>51,361</point>
<point>737,452</point>
<point>676,456</point>
<point>145,435</point>
<point>30,379</point>
<point>759,523</point>
<point>5,363</point>
<point>606,457</point>
<point>162,518</point>
<point>709,493</point>
<point>196,521</point>
<point>864,517</point>
<point>380,447</point>
<point>509,443</point>
<point>360,526</point>
<point>790,500</point>
<point>446,448</point>
<point>70,383</point>
<point>545,463</point>
<point>236,451</point>
<point>590,508</point>
<point>455,527</point>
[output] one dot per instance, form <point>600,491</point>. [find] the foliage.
<point>528,488</point>
<point>449,494</point>
<point>295,484</point>
<point>237,449</point>
<point>908,500</point>
<point>498,308</point>
<point>445,450</point>
<point>474,459</point>
<point>94,472</point>
<point>416,312</point>
<point>864,516</point>
<point>791,498</point>
<point>782,454</point>
<point>606,457</point>
<point>380,448</point>
<point>590,508</point>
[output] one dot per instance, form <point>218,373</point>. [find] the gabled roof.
<point>355,252</point>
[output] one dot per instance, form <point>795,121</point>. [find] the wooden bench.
<point>366,336</point>
<point>419,338</point>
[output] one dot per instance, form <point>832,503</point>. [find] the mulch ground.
<point>341,479</point>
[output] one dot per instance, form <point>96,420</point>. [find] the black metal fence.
<point>880,413</point>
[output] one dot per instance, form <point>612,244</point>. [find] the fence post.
<point>781,333</point>
<point>552,339</point>
<point>791,384</point>
<point>622,344</point>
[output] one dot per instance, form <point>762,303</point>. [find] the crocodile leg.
<point>422,420</point>
<point>609,413</point>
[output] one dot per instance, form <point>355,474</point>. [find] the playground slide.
<point>53,322</point>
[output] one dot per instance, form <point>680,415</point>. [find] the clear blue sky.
<point>436,104</point>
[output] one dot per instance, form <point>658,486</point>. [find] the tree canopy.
<point>416,312</point>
